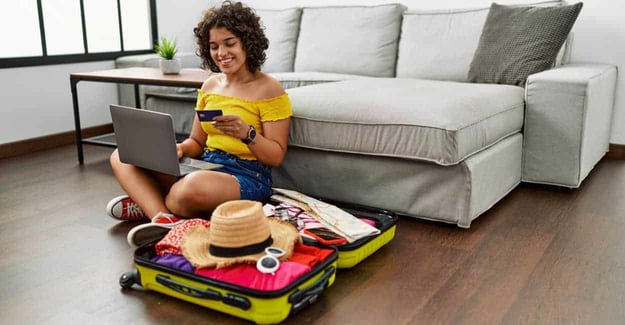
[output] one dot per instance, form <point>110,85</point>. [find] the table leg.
<point>78,133</point>
<point>137,96</point>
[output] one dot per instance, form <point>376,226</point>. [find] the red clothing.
<point>170,244</point>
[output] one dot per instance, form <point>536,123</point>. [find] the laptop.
<point>147,139</point>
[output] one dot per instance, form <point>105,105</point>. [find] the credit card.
<point>208,115</point>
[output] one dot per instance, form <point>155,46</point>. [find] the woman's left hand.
<point>179,151</point>
<point>231,125</point>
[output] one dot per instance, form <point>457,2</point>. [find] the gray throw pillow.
<point>519,41</point>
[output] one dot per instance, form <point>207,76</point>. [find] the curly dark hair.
<point>241,21</point>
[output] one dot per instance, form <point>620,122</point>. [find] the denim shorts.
<point>254,178</point>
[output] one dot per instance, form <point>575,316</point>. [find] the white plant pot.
<point>170,66</point>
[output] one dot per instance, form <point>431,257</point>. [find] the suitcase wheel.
<point>128,279</point>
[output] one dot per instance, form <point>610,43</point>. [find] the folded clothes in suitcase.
<point>350,254</point>
<point>263,307</point>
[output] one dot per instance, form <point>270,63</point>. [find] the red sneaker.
<point>125,209</point>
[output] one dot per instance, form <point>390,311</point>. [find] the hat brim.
<point>196,243</point>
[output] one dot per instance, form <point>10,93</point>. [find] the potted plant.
<point>167,50</point>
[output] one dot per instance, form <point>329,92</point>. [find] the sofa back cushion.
<point>281,28</point>
<point>358,40</point>
<point>439,44</point>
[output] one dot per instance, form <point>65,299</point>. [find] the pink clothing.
<point>246,275</point>
<point>368,221</point>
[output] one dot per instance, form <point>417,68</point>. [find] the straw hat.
<point>239,233</point>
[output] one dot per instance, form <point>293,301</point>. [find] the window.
<point>40,32</point>
<point>62,25</point>
<point>17,28</point>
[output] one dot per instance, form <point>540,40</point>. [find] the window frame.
<point>46,59</point>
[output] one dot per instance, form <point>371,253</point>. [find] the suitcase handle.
<point>228,299</point>
<point>187,290</point>
<point>302,298</point>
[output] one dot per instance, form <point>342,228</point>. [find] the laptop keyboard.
<point>185,169</point>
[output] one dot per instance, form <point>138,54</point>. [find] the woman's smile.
<point>226,62</point>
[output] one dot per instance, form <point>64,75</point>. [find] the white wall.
<point>36,101</point>
<point>599,36</point>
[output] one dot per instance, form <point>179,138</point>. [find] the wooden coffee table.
<point>191,78</point>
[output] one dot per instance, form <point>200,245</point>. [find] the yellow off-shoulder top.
<point>253,112</point>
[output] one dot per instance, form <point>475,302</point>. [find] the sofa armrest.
<point>567,122</point>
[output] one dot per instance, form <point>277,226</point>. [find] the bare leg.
<point>200,192</point>
<point>146,189</point>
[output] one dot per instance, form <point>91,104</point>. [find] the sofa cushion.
<point>300,79</point>
<point>351,40</point>
<point>439,44</point>
<point>519,41</point>
<point>439,121</point>
<point>281,28</point>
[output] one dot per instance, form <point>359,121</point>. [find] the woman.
<point>249,138</point>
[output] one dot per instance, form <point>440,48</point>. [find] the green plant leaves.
<point>166,49</point>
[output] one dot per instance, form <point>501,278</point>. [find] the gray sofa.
<point>384,114</point>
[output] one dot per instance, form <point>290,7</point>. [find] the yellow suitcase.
<point>262,307</point>
<point>353,253</point>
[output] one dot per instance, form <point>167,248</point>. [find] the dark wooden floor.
<point>540,256</point>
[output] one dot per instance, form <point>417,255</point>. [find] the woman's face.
<point>227,50</point>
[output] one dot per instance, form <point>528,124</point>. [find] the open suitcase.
<point>260,306</point>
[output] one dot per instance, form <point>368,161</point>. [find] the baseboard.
<point>617,151</point>
<point>17,148</point>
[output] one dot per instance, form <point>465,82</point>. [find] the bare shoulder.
<point>210,83</point>
<point>270,86</point>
